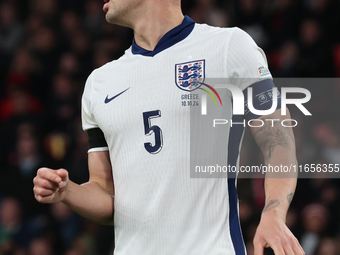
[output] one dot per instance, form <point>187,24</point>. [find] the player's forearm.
<point>278,146</point>
<point>91,201</point>
<point>280,186</point>
<point>279,194</point>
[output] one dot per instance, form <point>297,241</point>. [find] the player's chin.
<point>113,18</point>
<point>110,18</point>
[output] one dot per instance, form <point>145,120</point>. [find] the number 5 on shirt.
<point>148,129</point>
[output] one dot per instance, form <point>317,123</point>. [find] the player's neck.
<point>154,23</point>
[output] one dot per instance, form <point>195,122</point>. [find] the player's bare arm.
<point>278,147</point>
<point>93,199</point>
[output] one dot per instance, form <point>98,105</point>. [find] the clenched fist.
<point>50,185</point>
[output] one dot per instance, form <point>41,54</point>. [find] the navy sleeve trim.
<point>262,98</point>
<point>96,138</point>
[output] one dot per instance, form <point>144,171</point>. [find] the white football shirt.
<point>136,102</point>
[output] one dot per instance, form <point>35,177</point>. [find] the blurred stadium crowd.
<point>49,47</point>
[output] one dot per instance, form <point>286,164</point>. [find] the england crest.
<point>190,75</point>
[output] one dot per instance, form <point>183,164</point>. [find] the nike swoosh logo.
<point>108,100</point>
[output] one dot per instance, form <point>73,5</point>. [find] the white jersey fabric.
<point>159,209</point>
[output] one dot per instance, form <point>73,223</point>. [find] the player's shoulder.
<point>114,64</point>
<point>110,69</point>
<point>225,32</point>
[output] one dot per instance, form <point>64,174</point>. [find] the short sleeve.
<point>88,121</point>
<point>246,62</point>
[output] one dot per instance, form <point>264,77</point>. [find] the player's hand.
<point>273,232</point>
<point>50,186</point>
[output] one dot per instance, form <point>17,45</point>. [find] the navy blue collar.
<point>172,37</point>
